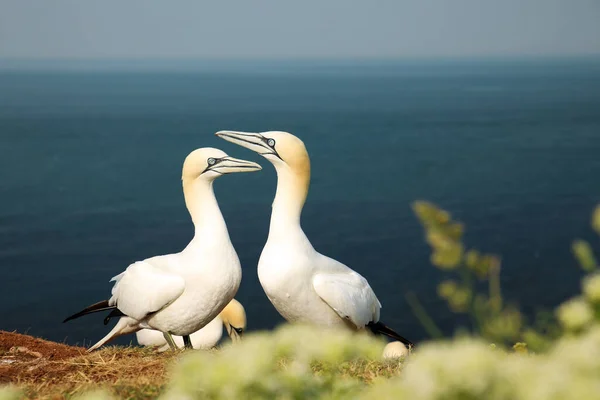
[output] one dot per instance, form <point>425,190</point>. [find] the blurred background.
<point>489,109</point>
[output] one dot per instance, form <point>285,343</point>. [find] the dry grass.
<point>364,370</point>
<point>128,372</point>
<point>48,370</point>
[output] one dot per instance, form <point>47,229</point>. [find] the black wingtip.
<point>114,313</point>
<point>96,307</point>
<point>380,328</point>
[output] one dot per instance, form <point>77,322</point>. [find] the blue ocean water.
<point>90,167</point>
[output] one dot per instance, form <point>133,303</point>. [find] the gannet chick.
<point>304,285</point>
<point>178,294</point>
<point>233,318</point>
<point>394,350</point>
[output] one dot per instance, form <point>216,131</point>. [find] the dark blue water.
<point>90,176</point>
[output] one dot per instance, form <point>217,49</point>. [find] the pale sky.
<point>133,29</point>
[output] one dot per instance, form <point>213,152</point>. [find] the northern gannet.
<point>233,318</point>
<point>302,284</point>
<point>179,293</point>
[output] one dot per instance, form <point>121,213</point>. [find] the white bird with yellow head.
<point>303,284</point>
<point>180,293</point>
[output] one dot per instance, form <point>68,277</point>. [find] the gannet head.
<point>281,148</point>
<point>234,319</point>
<point>208,163</point>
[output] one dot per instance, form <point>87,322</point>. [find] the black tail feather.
<point>380,328</point>
<point>114,313</point>
<point>97,307</point>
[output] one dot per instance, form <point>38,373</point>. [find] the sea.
<point>91,157</point>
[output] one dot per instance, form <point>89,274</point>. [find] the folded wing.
<point>349,295</point>
<point>143,289</point>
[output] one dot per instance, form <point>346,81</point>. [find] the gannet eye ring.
<point>271,142</point>
<point>212,161</point>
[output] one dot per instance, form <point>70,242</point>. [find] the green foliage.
<point>596,220</point>
<point>470,369</point>
<point>95,395</point>
<point>583,252</point>
<point>575,314</point>
<point>9,393</point>
<point>501,358</point>
<point>278,364</point>
<point>591,289</point>
<point>490,317</point>
<point>582,313</point>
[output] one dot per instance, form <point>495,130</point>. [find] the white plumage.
<point>144,288</point>
<point>350,296</point>
<point>302,284</point>
<point>182,292</point>
<point>306,286</point>
<point>232,318</point>
<point>203,339</point>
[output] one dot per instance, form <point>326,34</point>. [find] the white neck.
<point>292,190</point>
<point>204,209</point>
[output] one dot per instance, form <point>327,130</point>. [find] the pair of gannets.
<point>302,284</point>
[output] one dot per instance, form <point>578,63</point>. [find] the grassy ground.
<point>43,369</point>
<point>48,370</point>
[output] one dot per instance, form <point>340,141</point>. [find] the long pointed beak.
<point>233,333</point>
<point>229,165</point>
<point>253,141</point>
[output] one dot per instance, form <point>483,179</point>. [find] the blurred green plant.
<point>494,362</point>
<point>95,395</point>
<point>276,365</point>
<point>468,368</point>
<point>10,393</point>
<point>584,255</point>
<point>490,317</point>
<point>580,313</point>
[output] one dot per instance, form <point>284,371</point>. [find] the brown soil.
<point>41,369</point>
<point>22,353</point>
<point>45,369</point>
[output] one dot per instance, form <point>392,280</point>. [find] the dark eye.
<point>271,142</point>
<point>212,161</point>
<point>239,330</point>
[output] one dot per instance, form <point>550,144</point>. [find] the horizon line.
<point>157,63</point>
